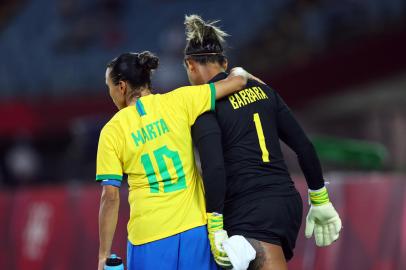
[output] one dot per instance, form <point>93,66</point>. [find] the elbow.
<point>110,194</point>
<point>308,144</point>
<point>305,147</point>
<point>215,177</point>
<point>213,170</point>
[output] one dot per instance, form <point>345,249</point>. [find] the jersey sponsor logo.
<point>150,132</point>
<point>247,96</point>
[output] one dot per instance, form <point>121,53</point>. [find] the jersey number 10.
<point>159,155</point>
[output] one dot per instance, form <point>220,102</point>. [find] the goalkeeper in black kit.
<point>245,177</point>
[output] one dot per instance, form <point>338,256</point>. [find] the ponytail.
<point>204,40</point>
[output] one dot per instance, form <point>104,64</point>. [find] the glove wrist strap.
<point>318,197</point>
<point>214,222</point>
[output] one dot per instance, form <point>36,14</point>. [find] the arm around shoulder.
<point>234,82</point>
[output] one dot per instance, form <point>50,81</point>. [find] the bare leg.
<point>269,256</point>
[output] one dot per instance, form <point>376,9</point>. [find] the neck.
<point>132,100</point>
<point>210,70</point>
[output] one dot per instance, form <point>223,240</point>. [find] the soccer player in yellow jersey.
<point>149,140</point>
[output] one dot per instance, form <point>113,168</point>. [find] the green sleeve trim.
<point>213,96</point>
<point>100,177</point>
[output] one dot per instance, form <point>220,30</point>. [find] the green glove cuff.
<point>214,222</point>
<point>319,197</point>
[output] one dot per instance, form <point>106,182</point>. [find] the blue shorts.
<point>183,251</point>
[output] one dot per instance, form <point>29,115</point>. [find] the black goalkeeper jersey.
<point>249,124</point>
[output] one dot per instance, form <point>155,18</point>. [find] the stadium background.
<point>340,65</point>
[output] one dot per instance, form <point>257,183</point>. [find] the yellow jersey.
<point>151,142</point>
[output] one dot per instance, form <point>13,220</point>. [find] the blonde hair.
<point>199,30</point>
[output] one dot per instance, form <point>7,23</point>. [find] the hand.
<point>102,262</point>
<point>322,219</point>
<point>239,71</point>
<point>216,237</point>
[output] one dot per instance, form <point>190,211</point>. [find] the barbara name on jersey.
<point>246,96</point>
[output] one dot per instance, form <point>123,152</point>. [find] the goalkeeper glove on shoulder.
<point>216,237</point>
<point>322,218</point>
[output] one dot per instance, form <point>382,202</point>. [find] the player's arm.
<point>235,81</point>
<point>293,135</point>
<point>109,174</point>
<point>108,216</point>
<point>206,135</point>
<point>322,218</point>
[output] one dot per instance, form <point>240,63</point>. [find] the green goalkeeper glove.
<point>216,236</point>
<point>322,218</point>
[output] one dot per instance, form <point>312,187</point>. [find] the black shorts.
<point>275,220</point>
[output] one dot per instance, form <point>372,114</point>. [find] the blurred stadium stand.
<point>340,65</point>
<point>59,37</point>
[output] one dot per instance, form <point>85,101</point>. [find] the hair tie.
<point>200,54</point>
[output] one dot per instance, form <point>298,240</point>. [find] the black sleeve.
<point>206,135</point>
<point>291,133</point>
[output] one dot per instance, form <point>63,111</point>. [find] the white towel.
<point>239,251</point>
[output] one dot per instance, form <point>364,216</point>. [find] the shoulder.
<point>253,83</point>
<point>115,125</point>
<point>264,89</point>
<point>188,89</point>
<point>176,95</point>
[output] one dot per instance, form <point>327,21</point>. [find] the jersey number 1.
<point>159,155</point>
<point>261,138</point>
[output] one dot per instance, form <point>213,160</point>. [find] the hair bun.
<point>148,60</point>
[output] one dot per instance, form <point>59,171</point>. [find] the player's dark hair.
<point>133,68</point>
<point>204,41</point>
